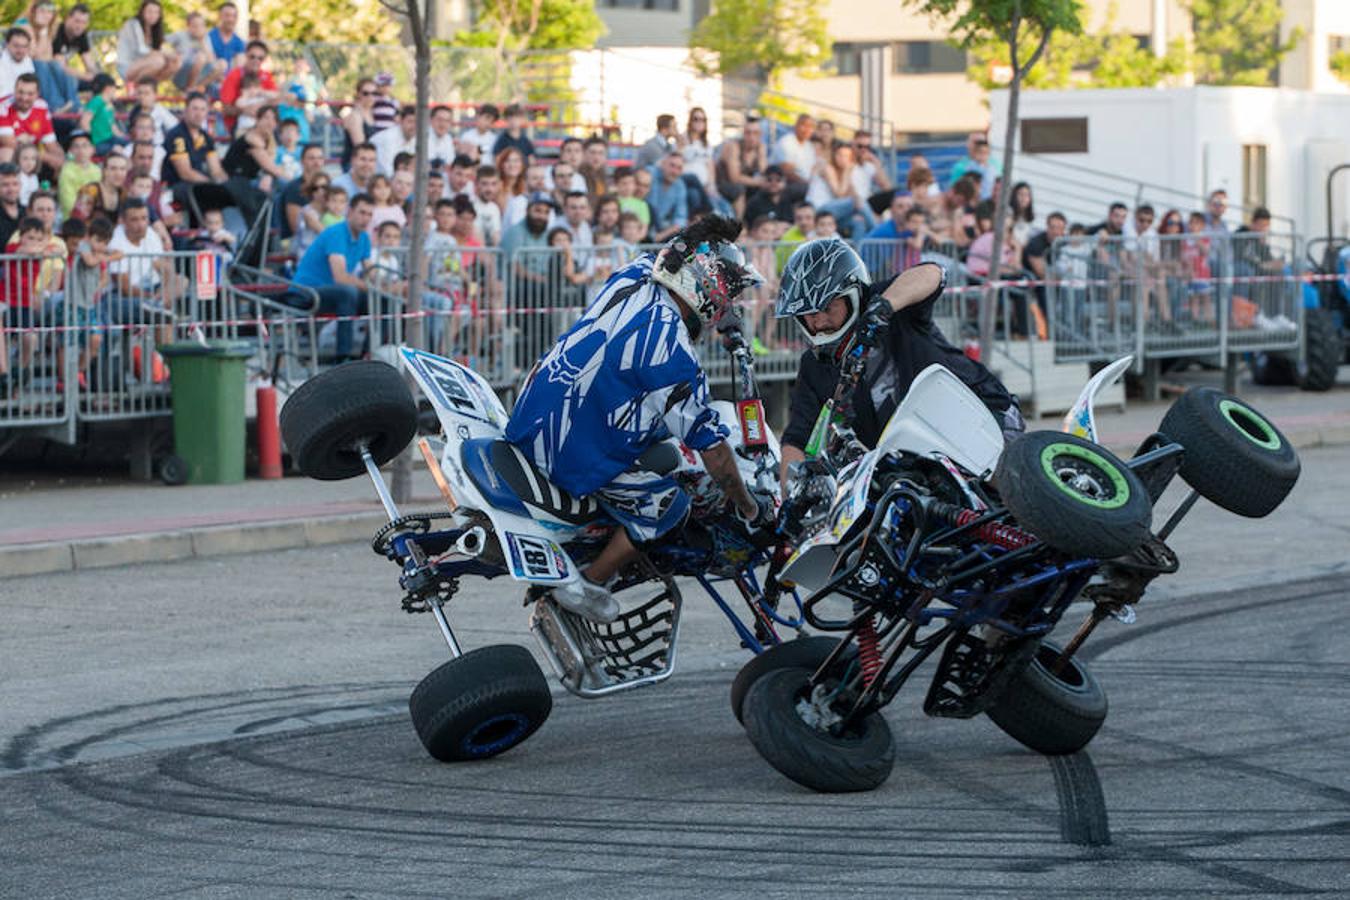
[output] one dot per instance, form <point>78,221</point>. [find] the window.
<point>928,58</point>
<point>1054,135</point>
<point>1253,174</point>
<point>665,5</point>
<point>847,59</point>
<point>1338,43</point>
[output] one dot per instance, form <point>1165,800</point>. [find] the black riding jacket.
<point>912,344</point>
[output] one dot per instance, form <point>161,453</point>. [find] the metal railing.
<point>81,345</point>
<point>1202,294</point>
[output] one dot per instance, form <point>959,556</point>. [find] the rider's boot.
<point>588,600</point>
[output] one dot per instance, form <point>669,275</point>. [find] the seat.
<point>512,483</point>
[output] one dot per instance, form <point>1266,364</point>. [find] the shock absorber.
<point>1000,534</point>
<point>869,654</point>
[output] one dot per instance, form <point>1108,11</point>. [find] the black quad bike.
<point>944,542</point>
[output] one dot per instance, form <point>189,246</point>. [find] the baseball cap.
<point>542,197</point>
<point>774,169</point>
<point>384,79</point>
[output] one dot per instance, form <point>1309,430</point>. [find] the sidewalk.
<point>49,525</point>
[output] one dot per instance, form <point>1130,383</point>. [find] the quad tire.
<point>1051,714</point>
<point>803,653</point>
<point>1076,496</point>
<point>860,760</point>
<point>328,418</point>
<point>481,704</point>
<point>1323,350</point>
<point>1314,368</point>
<point>1234,456</point>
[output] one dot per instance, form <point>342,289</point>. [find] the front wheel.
<point>481,704</point>
<point>803,653</point>
<point>787,728</point>
<point>1049,713</point>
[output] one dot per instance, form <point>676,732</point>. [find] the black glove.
<point>875,322</point>
<point>765,520</point>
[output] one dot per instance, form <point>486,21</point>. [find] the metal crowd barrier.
<point>79,341</point>
<point>1202,294</point>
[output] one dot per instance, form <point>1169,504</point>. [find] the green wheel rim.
<point>1121,488</point>
<point>1250,425</point>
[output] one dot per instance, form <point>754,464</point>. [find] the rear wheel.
<point>1323,349</point>
<point>1051,713</point>
<point>481,704</point>
<point>1074,495</point>
<point>327,420</point>
<point>785,723</point>
<point>803,653</point>
<point>1234,456</point>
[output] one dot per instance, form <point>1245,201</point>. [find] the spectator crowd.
<point>190,140</point>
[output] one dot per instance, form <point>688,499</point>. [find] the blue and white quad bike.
<point>506,520</point>
<point>943,538</point>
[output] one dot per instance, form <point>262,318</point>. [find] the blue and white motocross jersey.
<point>623,377</point>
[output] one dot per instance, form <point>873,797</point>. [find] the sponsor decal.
<point>751,413</point>
<point>535,558</point>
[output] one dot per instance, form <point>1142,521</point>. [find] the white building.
<point>1268,147</point>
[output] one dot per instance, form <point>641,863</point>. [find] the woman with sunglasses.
<point>358,125</point>
<point>1170,243</point>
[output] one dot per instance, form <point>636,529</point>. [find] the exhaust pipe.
<point>471,542</point>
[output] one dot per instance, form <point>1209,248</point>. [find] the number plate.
<point>535,558</point>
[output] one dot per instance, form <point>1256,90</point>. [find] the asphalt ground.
<point>237,726</point>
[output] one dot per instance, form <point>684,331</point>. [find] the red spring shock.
<point>1005,536</point>
<point>869,654</point>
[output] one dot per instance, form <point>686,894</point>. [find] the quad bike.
<point>1326,315</point>
<point>505,519</point>
<point>944,539</point>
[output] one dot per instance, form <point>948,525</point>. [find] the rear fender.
<point>1081,420</point>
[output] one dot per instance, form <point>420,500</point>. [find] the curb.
<point>191,543</point>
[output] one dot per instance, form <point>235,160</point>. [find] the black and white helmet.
<point>816,273</point>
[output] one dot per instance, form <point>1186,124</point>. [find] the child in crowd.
<point>827,226</point>
<point>99,118</point>
<point>387,208</point>
<point>18,287</point>
<point>252,98</point>
<point>312,213</point>
<point>79,170</point>
<point>335,205</point>
<point>215,237</point>
<point>28,160</point>
<point>626,187</point>
<point>631,232</point>
<point>1195,256</point>
<point>86,280</point>
<point>288,148</point>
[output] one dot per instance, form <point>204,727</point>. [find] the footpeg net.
<point>592,659</point>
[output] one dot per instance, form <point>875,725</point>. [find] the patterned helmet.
<point>816,273</point>
<point>704,267</point>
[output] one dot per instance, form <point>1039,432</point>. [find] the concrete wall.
<point>1190,139</point>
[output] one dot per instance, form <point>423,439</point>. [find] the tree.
<point>1106,58</point>
<point>508,27</point>
<point>336,21</point>
<point>765,37</point>
<point>414,12</point>
<point>1025,27</point>
<point>1238,41</point>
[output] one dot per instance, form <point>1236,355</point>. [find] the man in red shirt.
<point>255,57</point>
<point>24,120</point>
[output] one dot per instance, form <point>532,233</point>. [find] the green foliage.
<point>767,37</point>
<point>1107,58</point>
<point>1340,65</point>
<point>516,25</point>
<point>975,22</point>
<point>1238,41</point>
<point>336,21</point>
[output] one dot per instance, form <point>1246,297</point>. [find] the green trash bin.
<point>208,408</point>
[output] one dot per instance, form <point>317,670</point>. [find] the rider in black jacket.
<point>826,288</point>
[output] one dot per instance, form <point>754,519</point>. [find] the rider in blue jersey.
<point>624,377</point>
